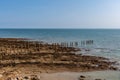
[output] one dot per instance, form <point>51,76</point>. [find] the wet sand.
<point>95,75</point>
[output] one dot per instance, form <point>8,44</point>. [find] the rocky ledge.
<point>31,57</point>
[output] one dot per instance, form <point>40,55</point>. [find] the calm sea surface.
<point>106,41</point>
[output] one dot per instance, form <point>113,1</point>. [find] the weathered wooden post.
<point>38,46</point>
<point>27,46</point>
<point>64,44</point>
<point>67,44</point>
<point>12,49</point>
<point>35,46</point>
<point>17,47</point>
<point>20,48</point>
<point>92,41</point>
<point>70,44</point>
<point>76,44</point>
<point>61,44</point>
<point>9,48</point>
<point>24,48</point>
<point>55,48</point>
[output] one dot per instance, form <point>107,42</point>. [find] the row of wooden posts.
<point>77,44</point>
<point>25,46</point>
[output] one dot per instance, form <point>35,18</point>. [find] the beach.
<point>23,58</point>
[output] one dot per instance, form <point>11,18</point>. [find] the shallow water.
<point>104,75</point>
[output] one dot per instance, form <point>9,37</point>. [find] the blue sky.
<point>59,13</point>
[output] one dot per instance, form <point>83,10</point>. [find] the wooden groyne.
<point>9,46</point>
<point>21,46</point>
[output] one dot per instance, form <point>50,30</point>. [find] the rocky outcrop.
<point>34,56</point>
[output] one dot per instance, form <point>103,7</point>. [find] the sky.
<point>59,13</point>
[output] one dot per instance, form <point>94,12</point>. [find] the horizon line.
<point>59,28</point>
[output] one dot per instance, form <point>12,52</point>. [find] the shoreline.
<point>23,55</point>
<point>94,75</point>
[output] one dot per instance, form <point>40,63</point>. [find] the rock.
<point>98,79</point>
<point>113,68</point>
<point>26,77</point>
<point>82,76</point>
<point>81,79</point>
<point>9,78</point>
<point>34,77</point>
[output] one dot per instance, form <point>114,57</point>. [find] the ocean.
<point>106,41</point>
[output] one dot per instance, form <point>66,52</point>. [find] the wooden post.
<point>39,46</point>
<point>76,44</point>
<point>27,46</point>
<point>35,47</point>
<point>21,48</point>
<point>9,48</point>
